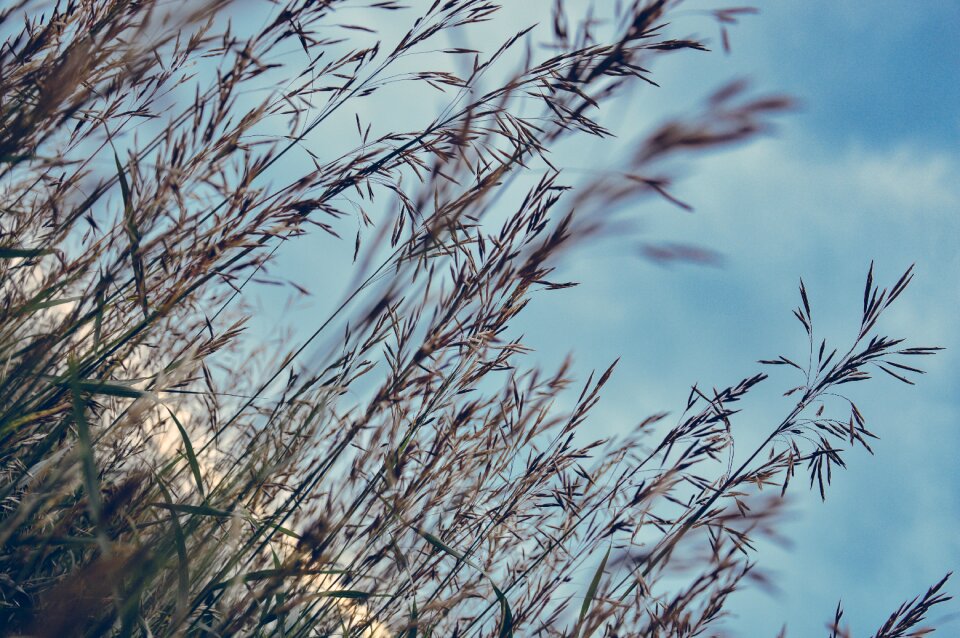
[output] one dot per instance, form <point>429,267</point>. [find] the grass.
<point>164,473</point>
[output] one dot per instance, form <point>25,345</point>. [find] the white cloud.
<point>779,209</point>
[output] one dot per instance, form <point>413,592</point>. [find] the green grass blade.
<point>281,598</point>
<point>414,617</point>
<point>183,573</point>
<point>90,386</point>
<point>279,573</point>
<point>188,450</point>
<point>350,594</point>
<point>197,510</point>
<point>12,252</point>
<point>506,616</point>
<point>48,303</point>
<point>91,478</point>
<point>591,592</point>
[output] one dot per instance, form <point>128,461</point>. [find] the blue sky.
<point>877,73</point>
<point>867,168</point>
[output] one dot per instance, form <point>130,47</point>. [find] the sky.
<point>866,168</point>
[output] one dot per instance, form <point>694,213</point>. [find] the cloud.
<point>783,207</point>
<point>779,209</point>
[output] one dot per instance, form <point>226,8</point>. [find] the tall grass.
<point>400,468</point>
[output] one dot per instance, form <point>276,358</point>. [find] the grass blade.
<point>191,455</point>
<point>591,592</point>
<point>133,234</point>
<point>183,573</point>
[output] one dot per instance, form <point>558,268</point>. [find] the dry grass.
<point>162,475</point>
